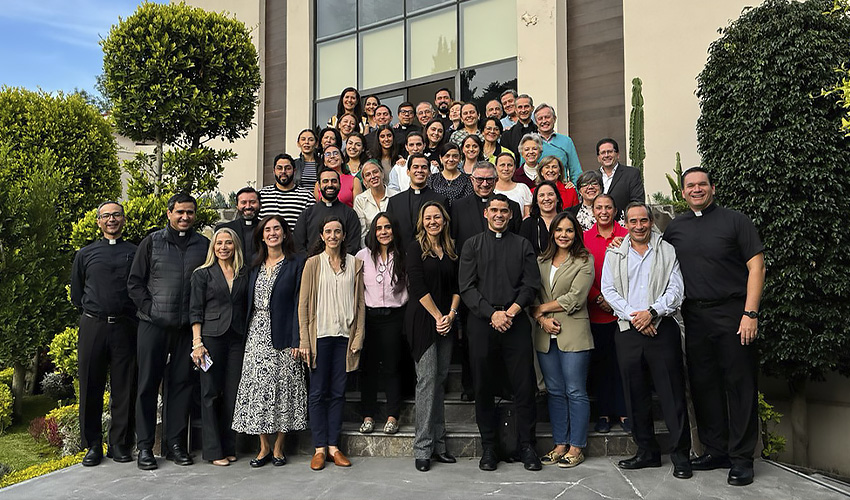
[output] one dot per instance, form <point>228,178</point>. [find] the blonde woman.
<point>217,307</point>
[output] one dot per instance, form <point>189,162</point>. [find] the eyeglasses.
<point>111,215</point>
<point>484,180</point>
<point>607,152</point>
<point>591,183</point>
<point>406,112</point>
<point>332,154</point>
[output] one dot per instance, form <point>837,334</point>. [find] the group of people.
<point>495,243</point>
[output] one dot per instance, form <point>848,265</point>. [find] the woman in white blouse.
<point>516,191</point>
<point>374,199</point>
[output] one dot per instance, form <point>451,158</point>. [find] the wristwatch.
<point>752,314</point>
<point>653,312</point>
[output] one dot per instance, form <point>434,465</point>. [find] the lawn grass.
<point>18,449</point>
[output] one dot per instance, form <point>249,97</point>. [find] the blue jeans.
<point>327,391</point>
<point>565,374</point>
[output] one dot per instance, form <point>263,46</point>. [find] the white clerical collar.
<point>328,204</point>
<point>112,242</point>
<point>498,235</point>
<point>248,222</point>
<point>417,191</point>
<point>698,213</point>
<point>181,233</point>
<point>483,200</point>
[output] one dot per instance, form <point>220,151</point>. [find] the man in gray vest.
<point>159,284</point>
<point>642,283</point>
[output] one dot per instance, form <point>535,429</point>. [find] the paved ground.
<point>395,478</point>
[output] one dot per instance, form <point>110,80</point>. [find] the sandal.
<point>367,427</point>
<point>568,461</point>
<point>551,458</point>
<point>391,427</point>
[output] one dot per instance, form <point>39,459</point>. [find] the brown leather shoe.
<point>340,460</point>
<point>318,461</point>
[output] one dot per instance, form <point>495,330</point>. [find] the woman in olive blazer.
<point>563,339</point>
<point>217,311</point>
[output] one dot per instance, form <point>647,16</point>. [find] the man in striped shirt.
<point>284,197</point>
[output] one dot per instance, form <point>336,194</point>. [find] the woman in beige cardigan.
<point>562,337</point>
<point>331,312</point>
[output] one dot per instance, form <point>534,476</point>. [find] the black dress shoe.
<point>179,456</point>
<point>259,462</point>
<point>444,458</point>
<point>529,458</point>
<point>120,453</point>
<point>641,461</point>
<point>93,456</point>
<point>423,464</point>
<point>488,461</point>
<point>710,462</point>
<point>682,471</point>
<point>146,460</point>
<point>740,475</point>
<point>279,461</point>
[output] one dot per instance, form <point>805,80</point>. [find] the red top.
<point>569,197</point>
<point>597,244</point>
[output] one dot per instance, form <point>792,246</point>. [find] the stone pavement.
<point>395,478</point>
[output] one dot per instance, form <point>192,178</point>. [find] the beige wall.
<point>246,168</point>
<point>542,54</point>
<point>299,74</point>
<point>666,45</point>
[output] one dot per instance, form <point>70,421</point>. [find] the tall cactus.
<point>676,184</point>
<point>637,151</point>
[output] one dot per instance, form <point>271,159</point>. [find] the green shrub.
<point>7,405</point>
<point>6,376</point>
<point>68,423</point>
<point>63,351</point>
<point>40,469</point>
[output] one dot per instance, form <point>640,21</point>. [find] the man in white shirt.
<point>399,181</point>
<point>642,283</point>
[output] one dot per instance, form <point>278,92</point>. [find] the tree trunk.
<point>32,374</point>
<point>158,166</point>
<point>800,422</point>
<point>18,389</point>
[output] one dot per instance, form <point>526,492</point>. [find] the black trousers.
<point>164,356</point>
<point>487,350</point>
<point>605,376</point>
<point>461,347</point>
<point>218,394</point>
<point>102,347</point>
<point>724,380</point>
<point>382,353</point>
<point>660,358</point>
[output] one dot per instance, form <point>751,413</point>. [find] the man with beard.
<point>722,260</point>
<point>247,206</point>
<point>284,197</point>
<point>405,205</point>
<point>468,220</point>
<point>642,284</point>
<point>499,278</point>
<point>107,337</point>
<point>443,101</point>
<point>159,285</point>
<point>309,224</point>
<point>524,105</point>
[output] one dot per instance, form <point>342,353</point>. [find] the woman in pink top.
<point>604,370</point>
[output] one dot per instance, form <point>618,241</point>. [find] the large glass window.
<point>373,11</point>
<point>337,65</point>
<point>335,16</point>
<point>432,43</point>
<point>382,56</point>
<point>414,5</point>
<point>489,31</point>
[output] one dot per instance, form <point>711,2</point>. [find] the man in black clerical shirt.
<point>107,337</point>
<point>498,278</point>
<point>310,222</point>
<point>722,261</point>
<point>248,208</point>
<point>404,206</point>
<point>159,285</point>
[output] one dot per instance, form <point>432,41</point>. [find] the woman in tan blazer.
<point>562,337</point>
<point>331,315</point>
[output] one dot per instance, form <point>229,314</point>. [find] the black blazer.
<point>405,209</point>
<point>283,305</point>
<point>468,219</point>
<point>216,307</point>
<point>626,187</point>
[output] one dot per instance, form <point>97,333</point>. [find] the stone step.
<point>462,440</point>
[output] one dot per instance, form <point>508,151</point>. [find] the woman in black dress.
<point>429,326</point>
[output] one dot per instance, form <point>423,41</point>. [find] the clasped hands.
<point>444,323</point>
<point>642,321</point>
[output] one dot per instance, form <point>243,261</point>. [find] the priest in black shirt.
<point>722,261</point>
<point>499,278</point>
<point>107,337</point>
<point>404,206</point>
<point>248,209</point>
<point>310,222</point>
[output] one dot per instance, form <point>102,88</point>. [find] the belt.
<point>108,319</point>
<point>381,311</point>
<point>704,304</point>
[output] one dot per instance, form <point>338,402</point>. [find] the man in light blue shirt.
<point>555,144</point>
<point>642,283</point>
